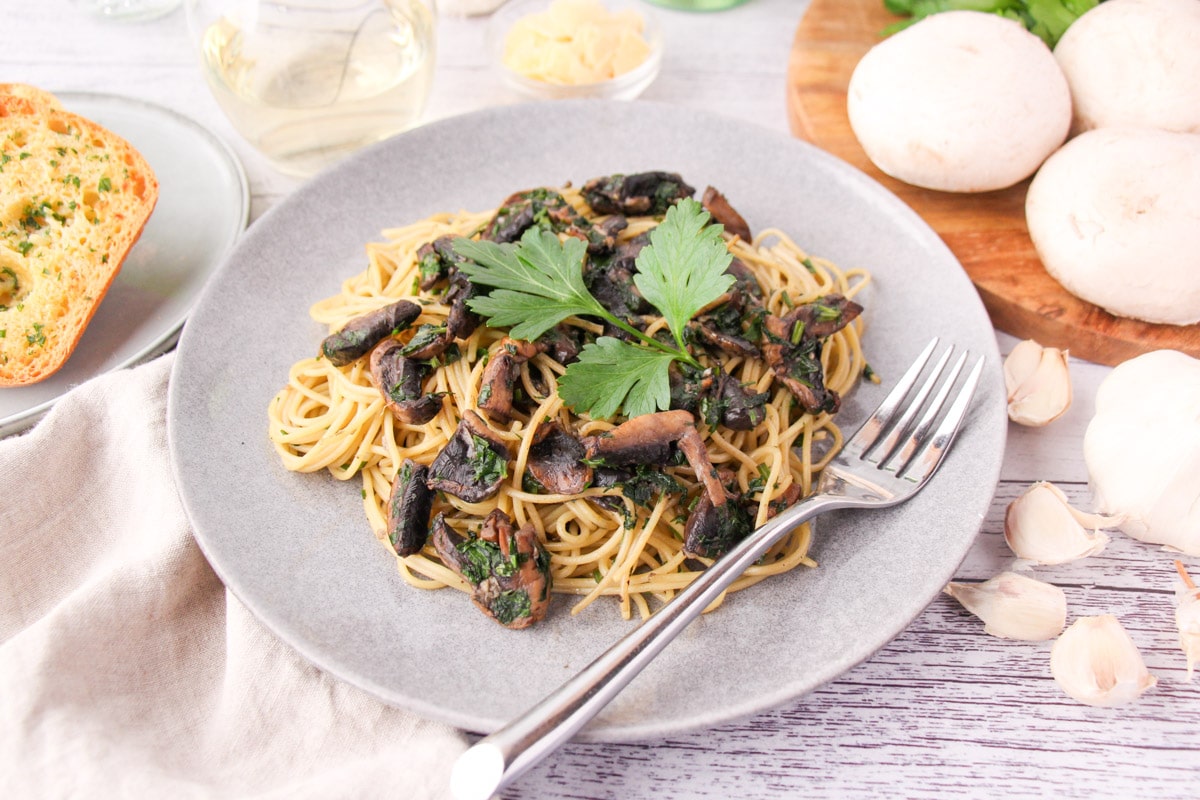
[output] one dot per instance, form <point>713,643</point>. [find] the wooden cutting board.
<point>986,232</point>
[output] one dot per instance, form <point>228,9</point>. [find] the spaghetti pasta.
<point>601,542</point>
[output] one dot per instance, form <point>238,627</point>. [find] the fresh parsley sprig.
<point>538,283</point>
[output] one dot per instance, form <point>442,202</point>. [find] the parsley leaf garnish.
<point>539,283</point>
<point>611,374</point>
<point>683,268</point>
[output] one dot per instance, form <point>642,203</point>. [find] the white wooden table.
<point>942,711</point>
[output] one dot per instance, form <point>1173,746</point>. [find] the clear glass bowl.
<point>623,87</point>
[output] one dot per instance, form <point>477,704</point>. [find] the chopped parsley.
<point>489,466</point>
<point>37,336</point>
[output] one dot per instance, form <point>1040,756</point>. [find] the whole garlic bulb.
<point>1142,448</point>
<point>1095,662</point>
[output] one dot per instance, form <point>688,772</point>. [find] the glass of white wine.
<point>307,82</point>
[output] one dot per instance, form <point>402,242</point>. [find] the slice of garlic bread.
<point>74,197</point>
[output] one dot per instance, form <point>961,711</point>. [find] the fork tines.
<point>892,440</point>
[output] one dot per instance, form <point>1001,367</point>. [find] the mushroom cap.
<point>1142,448</point>
<point>1113,215</point>
<point>1134,62</point>
<point>962,101</point>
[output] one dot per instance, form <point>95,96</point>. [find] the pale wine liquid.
<point>307,97</point>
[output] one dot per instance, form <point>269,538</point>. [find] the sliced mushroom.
<point>712,529</point>
<point>500,377</point>
<point>823,317</point>
<point>399,381</point>
<point>642,194</point>
<point>548,209</point>
<point>508,570</point>
<point>795,360</point>
<point>689,386</point>
<point>461,322</point>
<point>556,461</point>
<point>362,333</point>
<point>647,439</point>
<point>408,509</point>
<point>473,463</point>
<point>715,204</point>
<point>563,343</point>
<point>692,446</point>
<point>729,343</point>
<point>740,409</point>
<point>745,280</point>
<point>437,260</point>
<point>428,342</point>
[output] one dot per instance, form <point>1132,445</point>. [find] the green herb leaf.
<point>537,284</point>
<point>683,268</point>
<point>611,375</point>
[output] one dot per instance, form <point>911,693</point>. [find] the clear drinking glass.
<point>307,82</point>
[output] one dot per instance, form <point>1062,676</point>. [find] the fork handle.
<point>497,759</point>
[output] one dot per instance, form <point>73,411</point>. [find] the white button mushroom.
<point>962,101</point>
<point>1134,62</point>
<point>1142,448</point>
<point>1113,215</point>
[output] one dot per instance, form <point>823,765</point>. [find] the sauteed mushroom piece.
<point>749,289</point>
<point>509,570</point>
<point>548,209</point>
<point>408,509</point>
<point>713,528</point>
<point>823,317</point>
<point>647,439</point>
<point>715,204</point>
<point>399,381</point>
<point>473,463</point>
<point>791,346</point>
<point>428,342</point>
<point>362,333</point>
<point>740,409</point>
<point>556,461</point>
<point>562,343</point>
<point>437,260</point>
<point>500,376</point>
<point>461,322</point>
<point>640,194</point>
<point>729,343</point>
<point>653,439</point>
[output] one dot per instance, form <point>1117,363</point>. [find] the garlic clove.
<point>1187,618</point>
<point>1014,606</point>
<point>1038,381</point>
<point>1095,662</point>
<point>1041,526</point>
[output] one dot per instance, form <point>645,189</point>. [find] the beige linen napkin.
<point>126,668</point>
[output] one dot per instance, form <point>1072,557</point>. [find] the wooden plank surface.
<point>986,231</point>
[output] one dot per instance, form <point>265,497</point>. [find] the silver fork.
<point>885,462</point>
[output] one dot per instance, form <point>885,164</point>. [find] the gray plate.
<point>203,206</point>
<point>298,552</point>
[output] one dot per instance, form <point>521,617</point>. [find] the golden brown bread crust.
<point>74,198</point>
